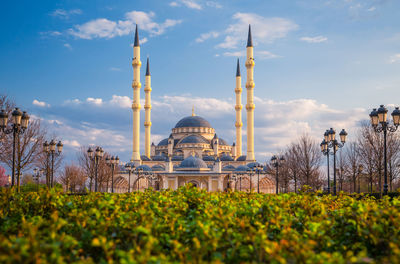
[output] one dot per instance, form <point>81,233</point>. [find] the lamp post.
<point>138,170</point>
<point>277,162</point>
<point>112,163</point>
<point>95,157</point>
<point>326,152</point>
<point>36,175</point>
<point>331,142</point>
<point>360,170</point>
<point>129,167</point>
<point>258,169</point>
<point>20,121</point>
<point>380,124</point>
<point>50,150</point>
<point>151,177</point>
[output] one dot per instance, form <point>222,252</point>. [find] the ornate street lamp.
<point>36,175</point>
<point>380,124</point>
<point>95,157</point>
<point>360,170</point>
<point>277,162</point>
<point>52,149</point>
<point>114,161</point>
<point>330,142</point>
<point>20,122</point>
<point>258,169</point>
<point>326,152</point>
<point>129,167</point>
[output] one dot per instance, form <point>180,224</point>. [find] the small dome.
<point>226,158</point>
<point>253,164</point>
<point>242,158</point>
<point>194,139</point>
<point>159,158</point>
<point>163,142</point>
<point>193,162</point>
<point>144,168</point>
<point>228,168</point>
<point>208,158</point>
<point>145,158</point>
<point>177,158</point>
<point>242,168</point>
<point>192,121</point>
<point>157,168</point>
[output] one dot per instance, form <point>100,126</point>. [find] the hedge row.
<point>190,225</point>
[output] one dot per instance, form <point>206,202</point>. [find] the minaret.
<point>147,107</point>
<point>136,63</point>
<point>250,98</point>
<point>238,108</point>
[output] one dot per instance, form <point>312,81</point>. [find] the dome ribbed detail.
<point>192,121</point>
<point>194,139</point>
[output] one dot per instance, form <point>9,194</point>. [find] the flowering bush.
<point>190,225</point>
<point>3,177</point>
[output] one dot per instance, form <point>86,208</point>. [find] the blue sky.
<point>318,64</point>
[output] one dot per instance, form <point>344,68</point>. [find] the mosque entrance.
<point>194,183</point>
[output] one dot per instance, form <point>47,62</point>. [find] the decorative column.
<point>147,107</point>
<point>238,108</point>
<point>250,98</point>
<point>136,63</point>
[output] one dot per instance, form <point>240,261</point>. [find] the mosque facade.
<point>194,152</point>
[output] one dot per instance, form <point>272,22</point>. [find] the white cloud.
<point>317,39</point>
<point>40,104</point>
<point>114,69</point>
<point>371,9</point>
<point>192,4</point>
<point>65,14</point>
<point>277,123</point>
<point>73,143</point>
<point>68,46</point>
<point>104,28</point>
<point>205,36</point>
<point>241,53</point>
<point>143,40</point>
<point>213,4</point>
<point>264,30</point>
<point>47,34</point>
<point>395,58</point>
<point>259,54</point>
<point>96,101</point>
<point>121,101</point>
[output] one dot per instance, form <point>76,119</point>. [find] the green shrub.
<point>190,225</point>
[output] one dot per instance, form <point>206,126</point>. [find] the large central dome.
<point>192,121</point>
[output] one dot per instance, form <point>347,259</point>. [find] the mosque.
<point>194,152</point>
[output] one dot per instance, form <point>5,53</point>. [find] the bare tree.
<point>73,178</point>
<point>308,158</point>
<point>353,160</point>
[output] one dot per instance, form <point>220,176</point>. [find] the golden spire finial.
<point>193,114</point>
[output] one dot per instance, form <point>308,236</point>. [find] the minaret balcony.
<point>147,107</point>
<point>147,89</point>
<point>250,107</point>
<point>238,107</point>
<point>136,106</point>
<point>147,124</point>
<point>250,85</point>
<point>238,90</point>
<point>136,85</point>
<point>136,62</point>
<point>238,124</point>
<point>250,63</point>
